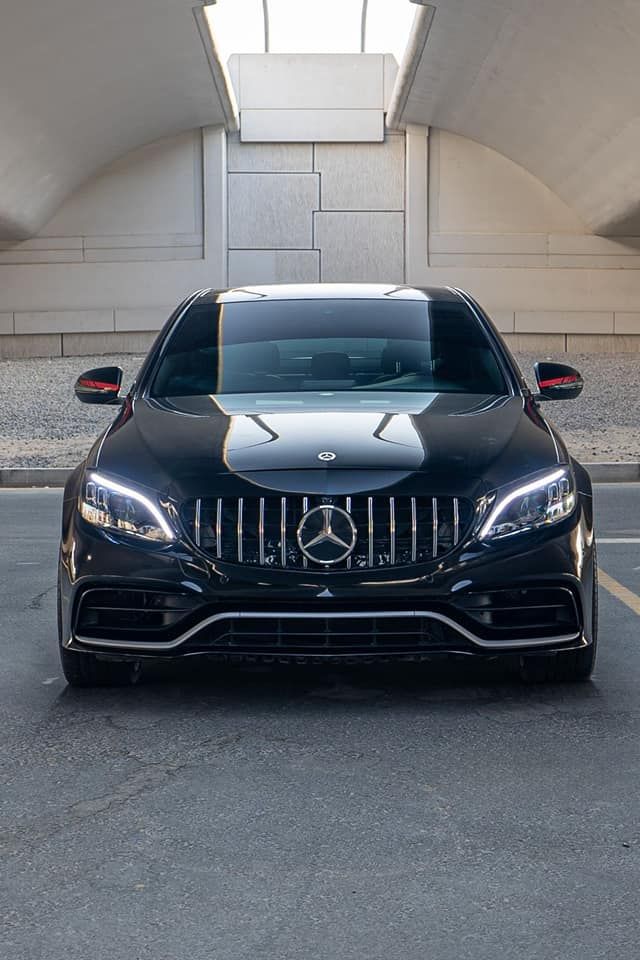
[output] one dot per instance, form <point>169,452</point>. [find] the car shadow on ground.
<point>194,682</point>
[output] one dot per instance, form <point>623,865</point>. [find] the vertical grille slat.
<point>283,531</point>
<point>414,530</point>
<point>240,530</point>
<point>198,522</point>
<point>219,528</point>
<point>391,531</point>
<point>305,509</point>
<point>261,532</point>
<point>434,534</point>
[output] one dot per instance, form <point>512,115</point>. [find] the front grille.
<point>390,531</point>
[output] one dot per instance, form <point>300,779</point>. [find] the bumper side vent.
<point>111,613</point>
<point>523,613</point>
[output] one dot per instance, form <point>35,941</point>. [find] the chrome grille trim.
<point>240,530</point>
<point>434,534</point>
<point>283,531</point>
<point>328,615</point>
<point>414,530</point>
<point>198,520</point>
<point>261,532</point>
<point>392,532</point>
<point>219,528</point>
<point>305,509</point>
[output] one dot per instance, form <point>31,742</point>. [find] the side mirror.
<point>557,381</point>
<point>101,385</point>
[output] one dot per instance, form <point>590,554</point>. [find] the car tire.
<point>88,670</point>
<point>568,665</point>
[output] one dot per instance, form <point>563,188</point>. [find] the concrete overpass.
<point>553,85</point>
<point>501,156</point>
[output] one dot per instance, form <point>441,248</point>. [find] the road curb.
<point>614,472</point>
<point>57,476</point>
<point>34,476</point>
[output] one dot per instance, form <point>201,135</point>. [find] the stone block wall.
<point>309,212</point>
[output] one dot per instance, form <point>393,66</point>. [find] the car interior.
<point>454,356</point>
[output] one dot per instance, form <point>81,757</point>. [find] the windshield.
<point>283,346</point>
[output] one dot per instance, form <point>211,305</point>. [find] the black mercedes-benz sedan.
<point>328,473</point>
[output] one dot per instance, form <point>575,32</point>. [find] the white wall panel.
<point>336,126</point>
<point>511,243</point>
<point>626,323</point>
<point>582,321</point>
<point>270,157</point>
<point>416,217</point>
<point>361,246</point>
<point>487,260</point>
<point>473,189</point>
<point>20,255</point>
<point>273,266</point>
<point>154,190</point>
<point>272,210</point>
<point>362,176</point>
<point>64,321</point>
<point>89,344</point>
<point>142,254</point>
<point>311,81</point>
<point>38,345</point>
<point>504,320</point>
<point>389,78</point>
<point>150,318</point>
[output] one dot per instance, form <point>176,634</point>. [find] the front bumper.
<point>128,600</point>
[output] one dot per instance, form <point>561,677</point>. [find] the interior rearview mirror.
<point>557,381</point>
<point>101,385</point>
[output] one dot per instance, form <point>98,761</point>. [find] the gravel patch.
<point>43,425</point>
<point>603,424</point>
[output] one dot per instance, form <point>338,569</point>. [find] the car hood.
<point>332,442</point>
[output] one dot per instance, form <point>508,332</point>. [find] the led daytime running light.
<point>153,509</point>
<point>505,502</point>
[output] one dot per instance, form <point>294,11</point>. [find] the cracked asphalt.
<point>446,813</point>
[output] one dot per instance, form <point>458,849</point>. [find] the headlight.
<point>107,503</point>
<point>538,503</point>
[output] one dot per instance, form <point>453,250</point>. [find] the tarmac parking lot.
<point>444,812</point>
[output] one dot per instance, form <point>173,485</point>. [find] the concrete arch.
<point>83,82</point>
<point>551,85</point>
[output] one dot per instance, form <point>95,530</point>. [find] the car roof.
<point>328,291</point>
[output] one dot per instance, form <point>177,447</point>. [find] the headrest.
<point>330,366</point>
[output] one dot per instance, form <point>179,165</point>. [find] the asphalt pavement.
<point>440,813</point>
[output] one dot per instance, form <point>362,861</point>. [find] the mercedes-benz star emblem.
<point>327,456</point>
<point>327,535</point>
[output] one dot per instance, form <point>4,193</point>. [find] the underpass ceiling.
<point>554,85</point>
<point>83,82</point>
